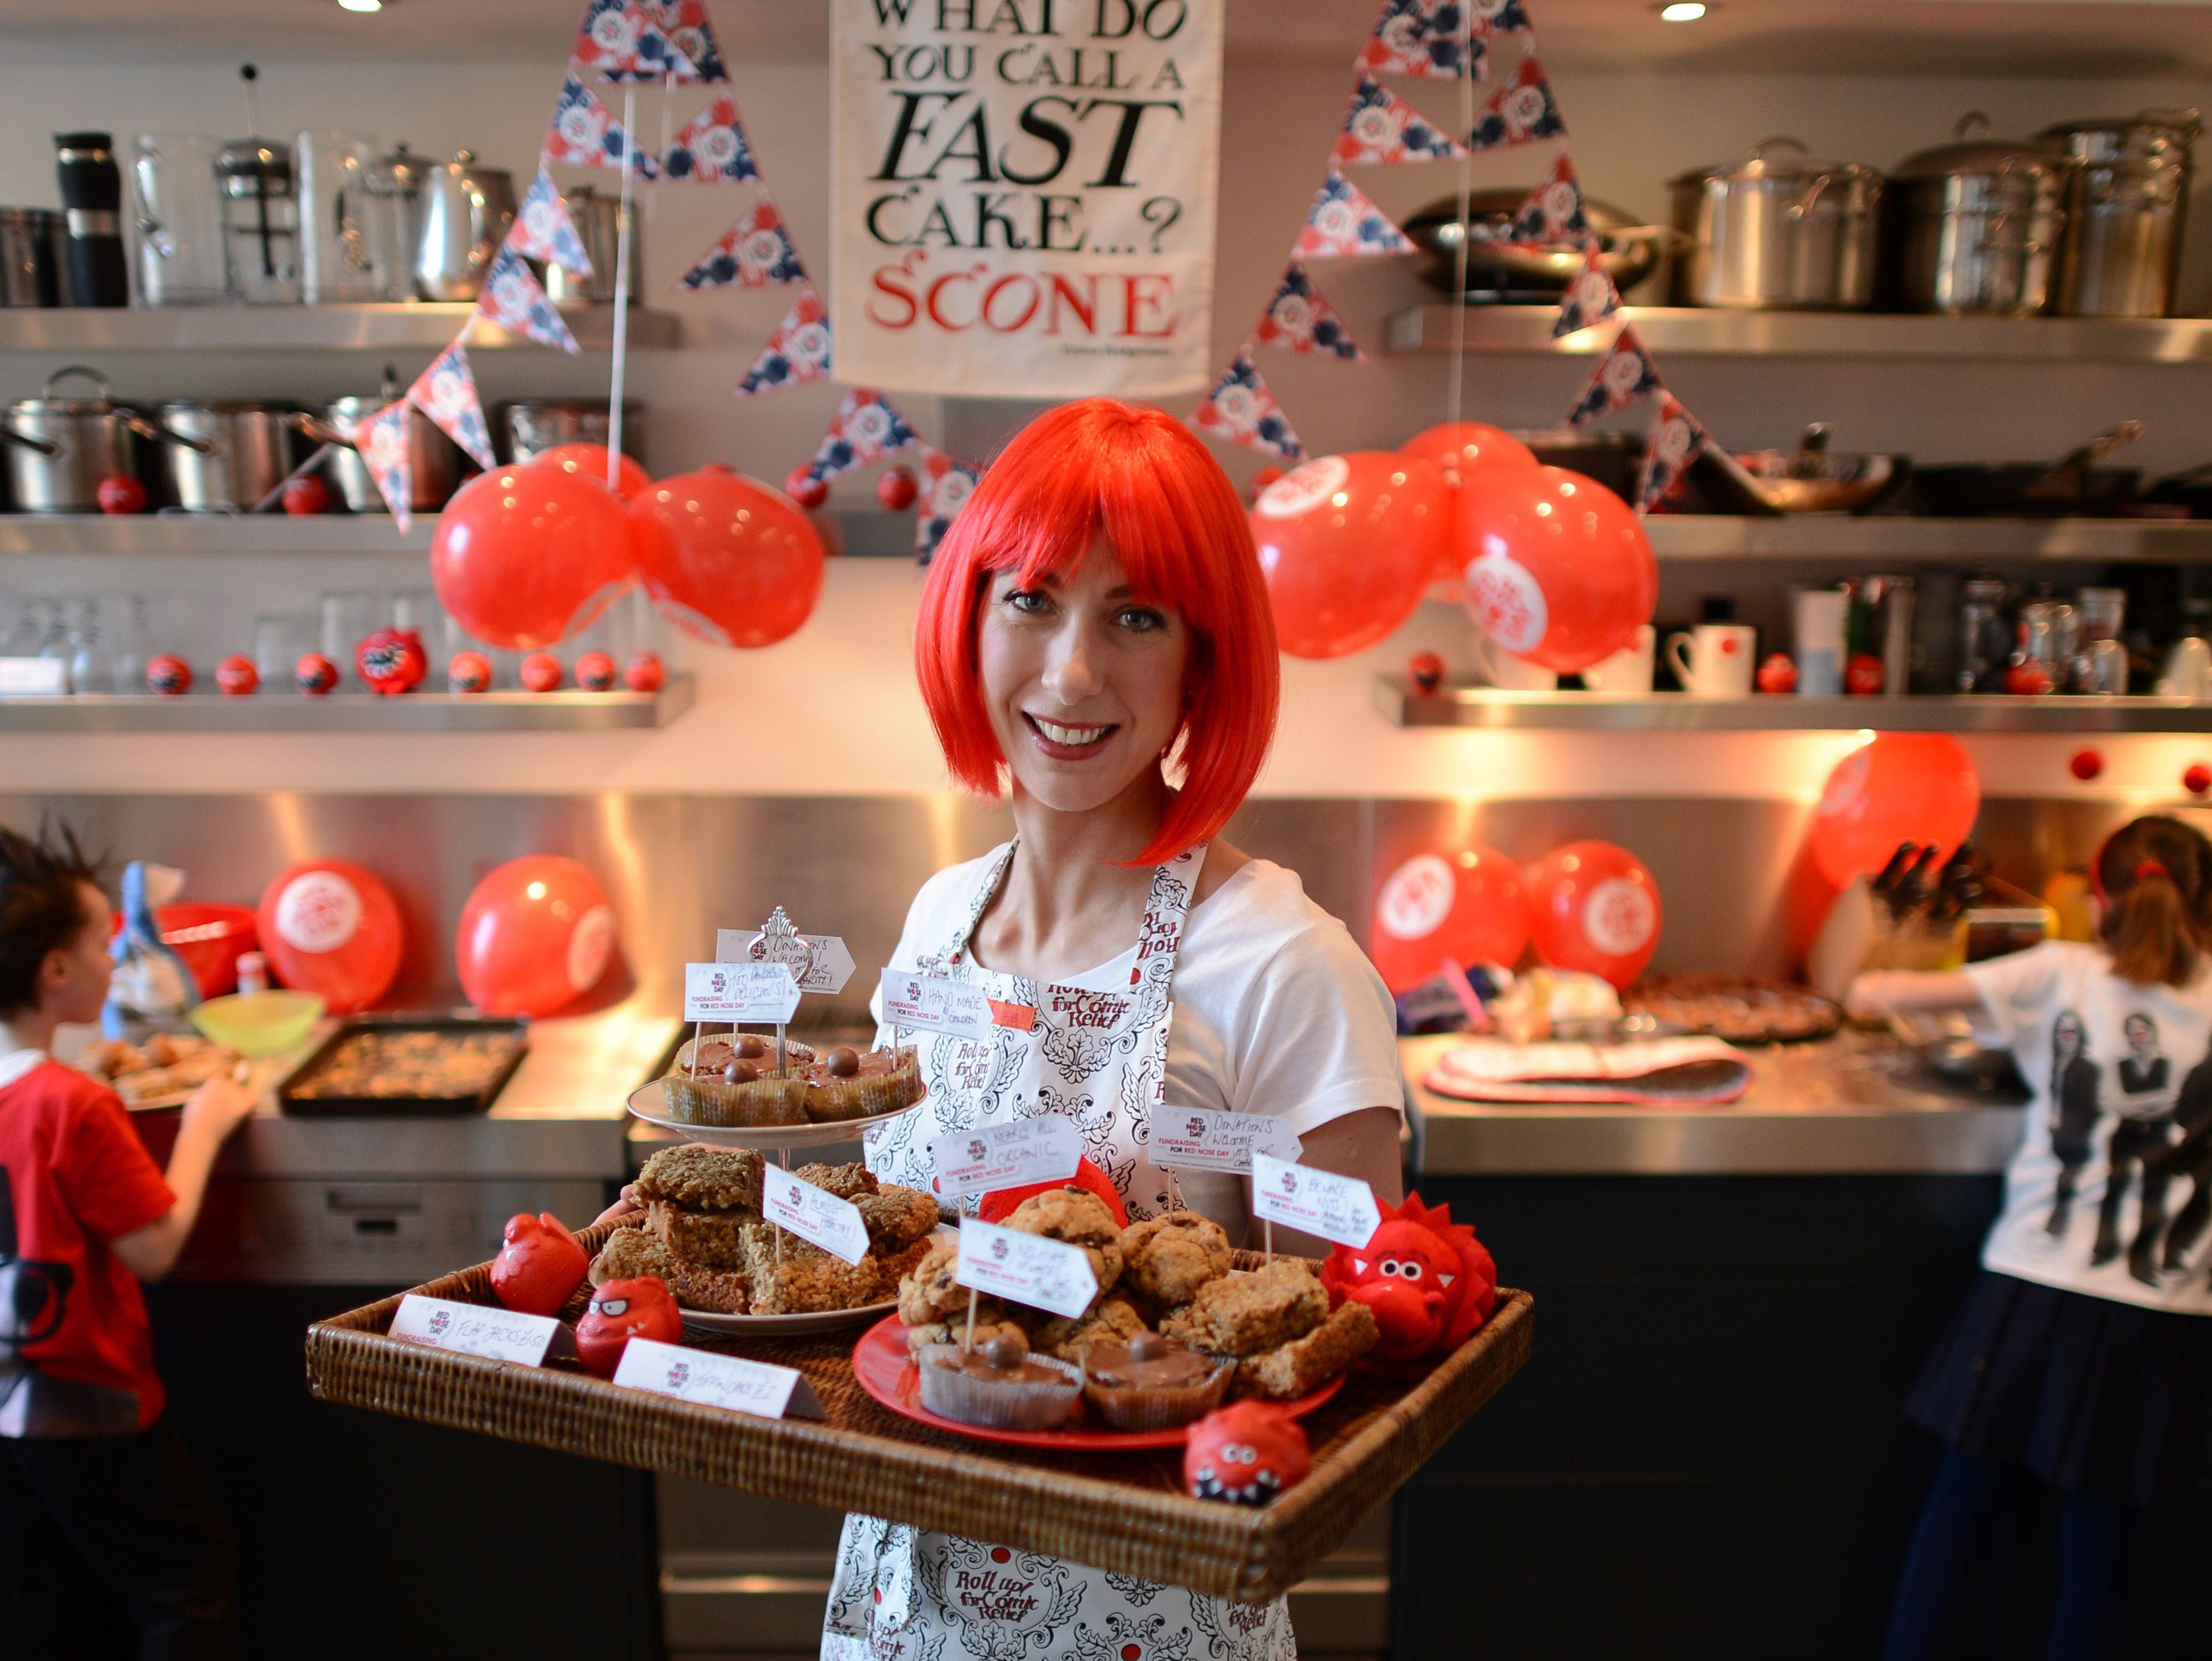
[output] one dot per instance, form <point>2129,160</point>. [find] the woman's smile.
<point>1065,741</point>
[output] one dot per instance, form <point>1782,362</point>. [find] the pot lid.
<point>64,406</point>
<point>224,406</point>
<point>2187,124</point>
<point>1973,153</point>
<point>243,163</point>
<point>399,172</point>
<point>1770,158</point>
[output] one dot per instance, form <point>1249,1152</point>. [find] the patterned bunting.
<point>382,442</point>
<point>1343,222</point>
<point>946,485</point>
<point>511,298</point>
<point>447,393</point>
<point>798,351</point>
<point>1519,113</point>
<point>753,253</point>
<point>1623,375</point>
<point>1239,406</point>
<point>712,148</point>
<point>1554,211</point>
<point>622,41</point>
<point>586,134</point>
<point>684,22</point>
<point>1590,299</point>
<point>1676,441</point>
<point>1423,37</point>
<point>1379,126</point>
<point>865,429</point>
<point>1301,320</point>
<point>1501,18</point>
<point>543,230</point>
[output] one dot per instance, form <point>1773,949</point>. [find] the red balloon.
<point>1594,907</point>
<point>726,557</point>
<point>590,461</point>
<point>1901,786</point>
<point>537,932</point>
<point>330,926</point>
<point>1460,448</point>
<point>1347,544</point>
<point>527,556</point>
<point>1556,568</point>
<point>1464,905</point>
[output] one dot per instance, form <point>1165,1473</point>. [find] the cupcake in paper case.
<point>1150,1382</point>
<point>998,1385</point>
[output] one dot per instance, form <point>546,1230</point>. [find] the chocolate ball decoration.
<point>843,1062</point>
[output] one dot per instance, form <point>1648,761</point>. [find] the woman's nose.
<point>1071,671</point>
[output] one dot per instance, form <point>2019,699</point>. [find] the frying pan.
<point>2073,486</point>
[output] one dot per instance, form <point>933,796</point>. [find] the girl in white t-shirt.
<point>2083,1353</point>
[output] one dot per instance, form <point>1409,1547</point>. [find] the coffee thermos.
<point>92,203</point>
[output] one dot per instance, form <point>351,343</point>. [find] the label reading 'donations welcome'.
<point>716,1380</point>
<point>1024,1268</point>
<point>1339,1208</point>
<point>1201,1139</point>
<point>501,1334</point>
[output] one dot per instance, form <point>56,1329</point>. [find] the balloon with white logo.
<point>1556,568</point>
<point>1461,905</point>
<point>1347,544</point>
<point>332,927</point>
<point>536,933</point>
<point>1592,906</point>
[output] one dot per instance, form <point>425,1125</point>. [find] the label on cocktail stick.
<point>829,966</point>
<point>759,992</point>
<point>1202,1138</point>
<point>813,1214</point>
<point>715,1380</point>
<point>1024,1268</point>
<point>1045,1149</point>
<point>934,1004</point>
<point>501,1334</point>
<point>1339,1208</point>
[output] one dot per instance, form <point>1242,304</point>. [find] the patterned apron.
<point>1099,1058</point>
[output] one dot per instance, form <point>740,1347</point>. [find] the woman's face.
<point>1084,683</point>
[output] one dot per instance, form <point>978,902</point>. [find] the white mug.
<point>1713,659</point>
<point>1627,671</point>
<point>2188,672</point>
<point>1509,673</point>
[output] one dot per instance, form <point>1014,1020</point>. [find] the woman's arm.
<point>1875,994</point>
<point>1362,1143</point>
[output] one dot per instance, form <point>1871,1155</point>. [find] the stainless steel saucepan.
<point>60,448</point>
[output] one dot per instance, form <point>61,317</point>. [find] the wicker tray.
<point>1124,1511</point>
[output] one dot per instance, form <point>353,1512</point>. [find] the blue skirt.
<point>2093,1395</point>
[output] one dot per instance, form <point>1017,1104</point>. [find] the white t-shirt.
<point>1276,1010</point>
<point>2111,1192</point>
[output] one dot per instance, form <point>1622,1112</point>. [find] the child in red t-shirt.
<point>99,1495</point>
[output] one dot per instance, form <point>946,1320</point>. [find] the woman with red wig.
<point>1095,642</point>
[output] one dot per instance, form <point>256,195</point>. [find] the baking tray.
<point>402,1106</point>
<point>1126,1512</point>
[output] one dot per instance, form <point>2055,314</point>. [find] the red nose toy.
<point>1429,1280</point>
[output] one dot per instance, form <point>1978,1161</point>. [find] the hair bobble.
<point>2148,868</point>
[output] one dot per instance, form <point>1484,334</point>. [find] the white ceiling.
<point>2064,37</point>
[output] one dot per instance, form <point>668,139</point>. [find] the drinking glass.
<point>177,218</point>
<point>347,617</point>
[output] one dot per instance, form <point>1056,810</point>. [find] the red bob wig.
<point>1145,481</point>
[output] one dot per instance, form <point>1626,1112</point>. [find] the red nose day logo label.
<point>1339,1208</point>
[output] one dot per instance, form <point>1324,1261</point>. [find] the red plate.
<point>888,1373</point>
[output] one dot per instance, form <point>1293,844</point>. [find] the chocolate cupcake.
<point>1152,1384</point>
<point>999,1384</point>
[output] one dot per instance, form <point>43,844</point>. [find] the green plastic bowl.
<point>259,1023</point>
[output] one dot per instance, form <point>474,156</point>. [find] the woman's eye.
<point>1139,620</point>
<point>1028,601</point>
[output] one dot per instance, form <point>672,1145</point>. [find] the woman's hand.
<point>626,1205</point>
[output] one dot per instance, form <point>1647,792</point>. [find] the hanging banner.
<point>1023,195</point>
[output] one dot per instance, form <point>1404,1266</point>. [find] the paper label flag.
<point>946,484</point>
<point>543,229</point>
<point>684,22</point>
<point>754,251</point>
<point>1499,17</point>
<point>511,299</point>
<point>1590,299</point>
<point>1380,126</point>
<point>1554,211</point>
<point>623,40</point>
<point>798,351</point>
<point>1676,441</point>
<point>1423,37</point>
<point>867,428</point>
<point>586,134</point>
<point>1342,222</point>
<point>1239,406</point>
<point>1624,375</point>
<point>1521,111</point>
<point>712,149</point>
<point>382,442</point>
<point>447,393</point>
<point>1301,320</point>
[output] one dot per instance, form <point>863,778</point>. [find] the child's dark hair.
<point>42,907</point>
<point>2155,874</point>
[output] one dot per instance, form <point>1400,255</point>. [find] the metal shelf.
<point>1488,709</point>
<point>422,325</point>
<point>869,533</point>
<point>1691,331</point>
<point>286,711</point>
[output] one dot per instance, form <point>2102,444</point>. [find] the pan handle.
<point>44,447</point>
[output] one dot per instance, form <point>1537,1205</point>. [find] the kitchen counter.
<point>1856,1103</point>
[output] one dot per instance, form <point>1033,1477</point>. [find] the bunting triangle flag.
<point>865,429</point>
<point>1677,439</point>
<point>1240,407</point>
<point>585,134</point>
<point>512,298</point>
<point>1623,375</point>
<point>1379,126</point>
<point>684,22</point>
<point>543,230</point>
<point>798,351</point>
<point>946,485</point>
<point>1499,17</point>
<point>1343,222</point>
<point>382,442</point>
<point>1300,319</point>
<point>1552,213</point>
<point>753,253</point>
<point>623,40</point>
<point>1590,299</point>
<point>447,393</point>
<point>1425,37</point>
<point>1521,111</point>
<point>713,150</point>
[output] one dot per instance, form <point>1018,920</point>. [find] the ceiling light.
<point>378,5</point>
<point>1675,11</point>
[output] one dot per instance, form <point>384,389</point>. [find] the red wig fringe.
<point>1145,480</point>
